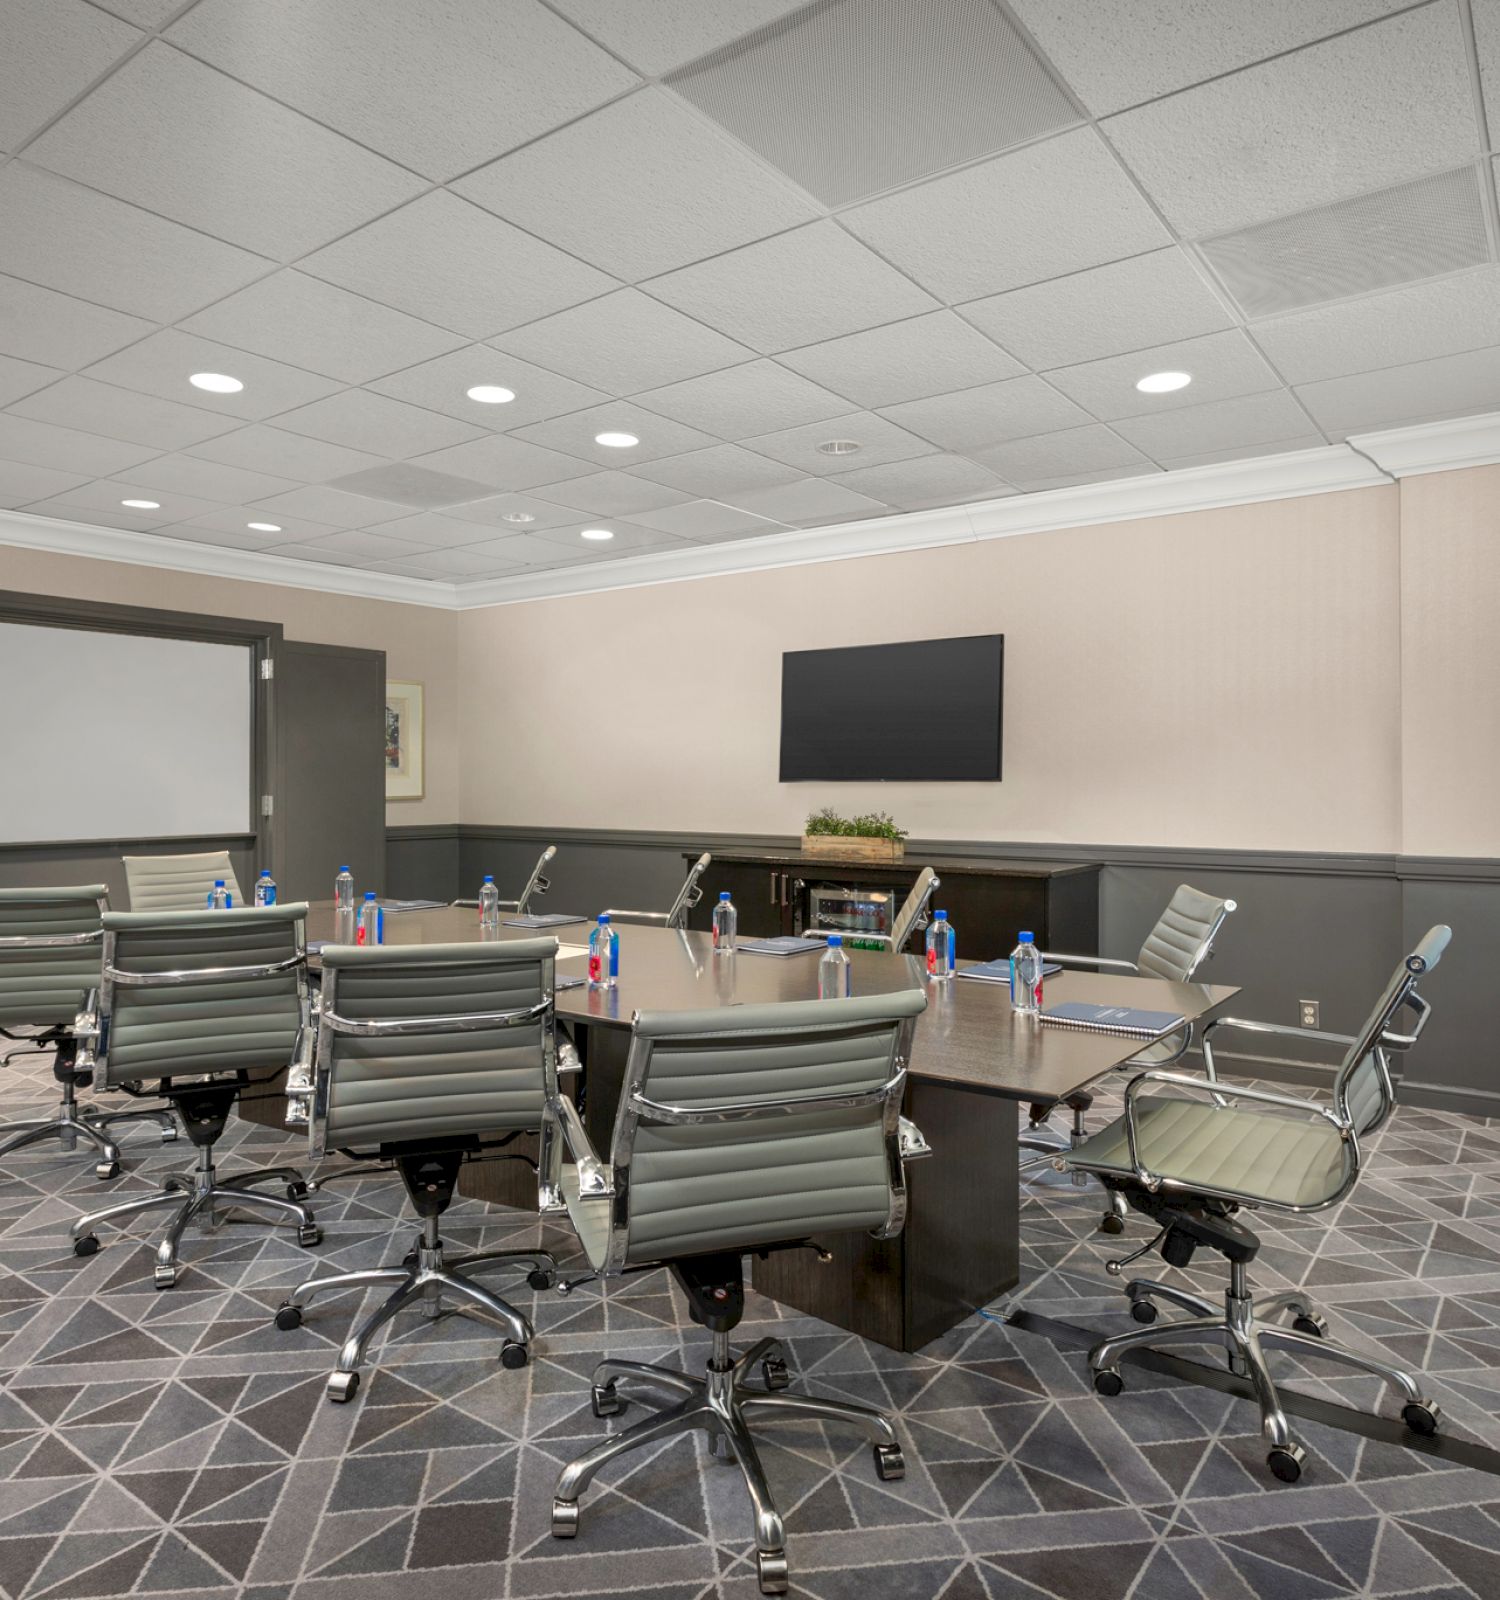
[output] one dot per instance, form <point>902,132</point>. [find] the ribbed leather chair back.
<point>46,983</point>
<point>178,883</point>
<point>1184,935</point>
<point>731,1183</point>
<point>912,908</point>
<point>169,1027</point>
<point>437,1082</point>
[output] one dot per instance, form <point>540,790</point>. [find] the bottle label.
<point>359,932</point>
<point>595,965</point>
<point>932,960</point>
<point>614,955</point>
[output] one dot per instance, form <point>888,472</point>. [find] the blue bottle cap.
<point>941,916</point>
<point>604,916</point>
<point>218,883</point>
<point>1028,938</point>
<point>369,894</point>
<point>723,894</point>
<point>488,878</point>
<point>836,940</point>
<point>343,869</point>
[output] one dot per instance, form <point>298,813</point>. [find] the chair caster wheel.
<point>890,1464</point>
<point>771,1571</point>
<point>513,1355</point>
<point>1285,1462</point>
<point>1108,1382</point>
<point>87,1245</point>
<point>288,1317</point>
<point>540,1279</point>
<point>564,1519</point>
<point>310,1236</point>
<point>1316,1326</point>
<point>1110,1223</point>
<point>775,1374</point>
<point>106,1170</point>
<point>1421,1416</point>
<point>409,1261</point>
<point>604,1402</point>
<point>297,1190</point>
<point>163,1276</point>
<point>169,1134</point>
<point>342,1387</point>
<point>1143,1311</point>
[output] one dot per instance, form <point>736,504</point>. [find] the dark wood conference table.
<point>972,1059</point>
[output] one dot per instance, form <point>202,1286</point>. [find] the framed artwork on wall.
<point>404,733</point>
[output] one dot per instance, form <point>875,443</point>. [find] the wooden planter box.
<point>849,847</point>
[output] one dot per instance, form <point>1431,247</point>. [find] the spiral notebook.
<point>1128,1020</point>
<point>998,971</point>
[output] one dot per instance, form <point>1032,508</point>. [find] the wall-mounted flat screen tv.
<point>929,710</point>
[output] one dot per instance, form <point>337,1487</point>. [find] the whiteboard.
<point>122,735</point>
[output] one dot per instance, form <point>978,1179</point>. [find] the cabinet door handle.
<point>773,888</point>
<point>785,881</point>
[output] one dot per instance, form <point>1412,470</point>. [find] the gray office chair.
<point>536,884</point>
<point>687,897</point>
<point>178,883</point>
<point>428,1056</point>
<point>51,944</point>
<point>1192,1164</point>
<point>910,919</point>
<point>743,1128</point>
<point>210,1005</point>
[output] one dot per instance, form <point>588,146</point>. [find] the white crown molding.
<point>1433,446</point>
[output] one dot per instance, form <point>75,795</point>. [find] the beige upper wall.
<point>419,641</point>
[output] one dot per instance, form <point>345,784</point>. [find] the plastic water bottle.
<point>942,947</point>
<point>604,955</point>
<point>833,970</point>
<point>726,920</point>
<point>343,907</point>
<point>489,906</point>
<point>265,889</point>
<point>219,898</point>
<point>1026,976</point>
<point>371,921</point>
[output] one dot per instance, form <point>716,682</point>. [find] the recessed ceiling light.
<point>839,447</point>
<point>142,505</point>
<point>616,441</point>
<point>598,533</point>
<point>490,394</point>
<point>264,527</point>
<point>516,516</point>
<point>216,382</point>
<point>1164,382</point>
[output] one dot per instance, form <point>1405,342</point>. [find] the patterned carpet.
<point>176,1444</point>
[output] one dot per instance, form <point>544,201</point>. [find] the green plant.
<point>872,825</point>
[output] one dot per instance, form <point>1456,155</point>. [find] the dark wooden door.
<point>758,895</point>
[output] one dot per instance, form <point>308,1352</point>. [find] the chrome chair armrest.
<point>650,919</point>
<point>473,904</point>
<point>1243,1025</point>
<point>88,1032</point>
<point>595,1178</point>
<point>913,1143</point>
<point>1090,961</point>
<point>1404,1041</point>
<point>508,905</point>
<point>567,1058</point>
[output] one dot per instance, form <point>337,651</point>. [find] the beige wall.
<point>419,641</point>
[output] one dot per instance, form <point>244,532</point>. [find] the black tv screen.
<point>927,710</point>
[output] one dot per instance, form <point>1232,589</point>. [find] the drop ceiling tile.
<point>1388,102</point>
<point>935,354</point>
<point>1222,366</point>
<point>1067,455</point>
<point>20,483</point>
<point>122,414</point>
<point>452,263</point>
<point>706,519</point>
<point>1104,311</point>
<point>1054,207</point>
<point>638,188</point>
<point>409,483</point>
<point>366,546</point>
<point>54,49</point>
<point>808,501</point>
<point>657,35</point>
<point>294,318</point>
<point>974,418</point>
<point>624,342</point>
<point>1441,318</point>
<point>259,448</point>
<point>108,494</point>
<point>494,511</point>
<point>376,423</point>
<point>575,435</point>
<point>72,239</point>
<point>313,552</point>
<point>129,521</point>
<point>1254,419</point>
<point>1071,480</point>
<point>1308,440</point>
<point>757,397</point>
<point>232,523</point>
<point>239,538</point>
<point>879,442</point>
<point>208,480</point>
<point>611,494</point>
<point>452,565</point>
<point>926,481</point>
<point>437,88</point>
<point>336,507</point>
<point>811,284</point>
<point>506,463</point>
<point>437,532</point>
<point>167,133</point>
<point>1487,41</point>
<point>60,330</point>
<point>21,378</point>
<point>711,473</point>
<point>87,455</point>
<point>144,13</point>
<point>1422,391</point>
<point>529,550</point>
<point>1120,54</point>
<point>444,384</point>
<point>627,537</point>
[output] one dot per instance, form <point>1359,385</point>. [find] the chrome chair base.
<point>724,1404</point>
<point>1247,1330</point>
<point>72,1122</point>
<point>422,1281</point>
<point>198,1196</point>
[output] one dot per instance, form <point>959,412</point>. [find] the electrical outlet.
<point>1309,1011</point>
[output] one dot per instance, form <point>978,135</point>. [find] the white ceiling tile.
<point>1196,430</point>
<point>1222,365</point>
<point>1441,318</point>
<point>452,263</point>
<point>338,508</point>
<point>237,537</point>
<point>452,565</point>
<point>1054,207</point>
<point>529,550</point>
<point>1066,455</point>
<point>627,536</point>
<point>1423,391</point>
<point>879,442</point>
<point>1127,51</point>
<point>59,330</point>
<point>657,35</point>
<point>506,463</point>
<point>122,414</point>
<point>144,13</point>
<point>1071,480</point>
<point>376,423</point>
<point>929,355</point>
<point>21,483</point>
<point>808,501</point>
<point>170,134</point>
<point>1487,40</point>
<point>717,471</point>
<point>444,384</point>
<point>130,521</point>
<point>108,494</point>
<point>69,238</point>
<point>208,480</point>
<point>163,363</point>
<point>624,342</point>
<point>315,552</point>
<point>811,284</point>
<point>54,49</point>
<point>259,448</point>
<point>575,434</point>
<point>494,511</point>
<point>87,455</point>
<point>638,188</point>
<point>232,525</point>
<point>409,483</point>
<point>739,401</point>
<point>1368,109</point>
<point>610,494</point>
<point>925,481</point>
<point>974,418</point>
<point>380,546</point>
<point>1103,311</point>
<point>439,88</point>
<point>294,318</point>
<point>705,519</point>
<point>20,378</point>
<point>437,532</point>
<point>1309,440</point>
